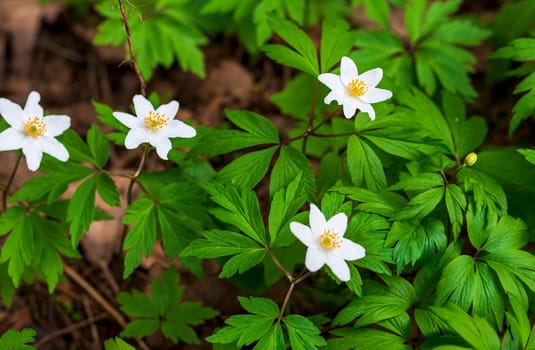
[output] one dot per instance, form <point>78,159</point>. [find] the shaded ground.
<point>49,50</point>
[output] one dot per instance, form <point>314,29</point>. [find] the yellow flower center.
<point>330,240</point>
<point>357,88</point>
<point>34,127</point>
<point>155,121</point>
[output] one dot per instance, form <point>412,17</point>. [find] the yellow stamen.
<point>357,88</point>
<point>155,121</point>
<point>34,127</point>
<point>330,240</point>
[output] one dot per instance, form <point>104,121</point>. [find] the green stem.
<point>134,178</point>
<point>10,182</point>
<point>290,291</point>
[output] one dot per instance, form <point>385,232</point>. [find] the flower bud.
<point>470,159</point>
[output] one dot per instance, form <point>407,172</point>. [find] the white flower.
<point>326,243</point>
<point>153,126</point>
<point>354,91</point>
<point>32,132</point>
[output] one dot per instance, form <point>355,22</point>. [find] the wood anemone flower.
<point>326,243</point>
<point>32,132</point>
<point>354,91</point>
<point>152,126</point>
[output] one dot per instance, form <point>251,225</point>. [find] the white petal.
<point>53,147</point>
<point>11,139</point>
<point>169,110</point>
<point>350,107</point>
<point>332,81</point>
<point>135,137</point>
<point>338,223</point>
<point>317,221</point>
<point>12,113</point>
<point>372,77</point>
<point>338,267</point>
<point>161,143</point>
<point>367,108</point>
<point>129,120</point>
<point>32,107</point>
<point>302,232</point>
<point>56,124</point>
<point>33,154</point>
<point>142,106</point>
<point>315,259</point>
<point>376,95</point>
<point>333,96</point>
<point>348,70</point>
<point>350,250</point>
<point>176,128</point>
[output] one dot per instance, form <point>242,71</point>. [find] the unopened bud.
<point>470,159</point>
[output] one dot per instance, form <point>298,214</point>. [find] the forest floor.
<point>50,50</point>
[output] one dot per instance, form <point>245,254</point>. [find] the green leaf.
<point>258,131</point>
<point>246,329</point>
<point>422,204</point>
<point>365,338</point>
<point>18,340</point>
<point>303,334</point>
<point>172,23</point>
<point>117,344</point>
<point>107,189</point>
<point>374,308</point>
<point>415,240</point>
<point>246,171</point>
<point>7,288</point>
<point>378,11</point>
<point>53,184</point>
<point>164,310</point>
<point>240,209</point>
<point>19,248</point>
<point>286,202</point>
<point>414,14</point>
<point>484,189</point>
<point>456,205</point>
<point>475,330</point>
<point>378,202</point>
<point>364,165</point>
<point>470,283</point>
<point>246,252</point>
<point>336,41</point>
<point>302,54</point>
<point>529,154</point>
<point>105,115</point>
<point>99,147</point>
<point>141,238</point>
<point>255,124</point>
<point>288,166</point>
<point>81,210</point>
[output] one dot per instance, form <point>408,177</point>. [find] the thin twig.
<point>49,337</point>
<point>99,299</point>
<point>130,47</point>
<point>94,330</point>
<point>10,182</point>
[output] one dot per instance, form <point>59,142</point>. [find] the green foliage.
<point>258,130</point>
<point>163,310</point>
<point>264,326</point>
<point>250,18</point>
<point>117,344</point>
<point>522,50</point>
<point>162,32</point>
<point>172,219</point>
<point>447,232</point>
<point>33,242</point>
<point>433,55</point>
<point>15,340</point>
